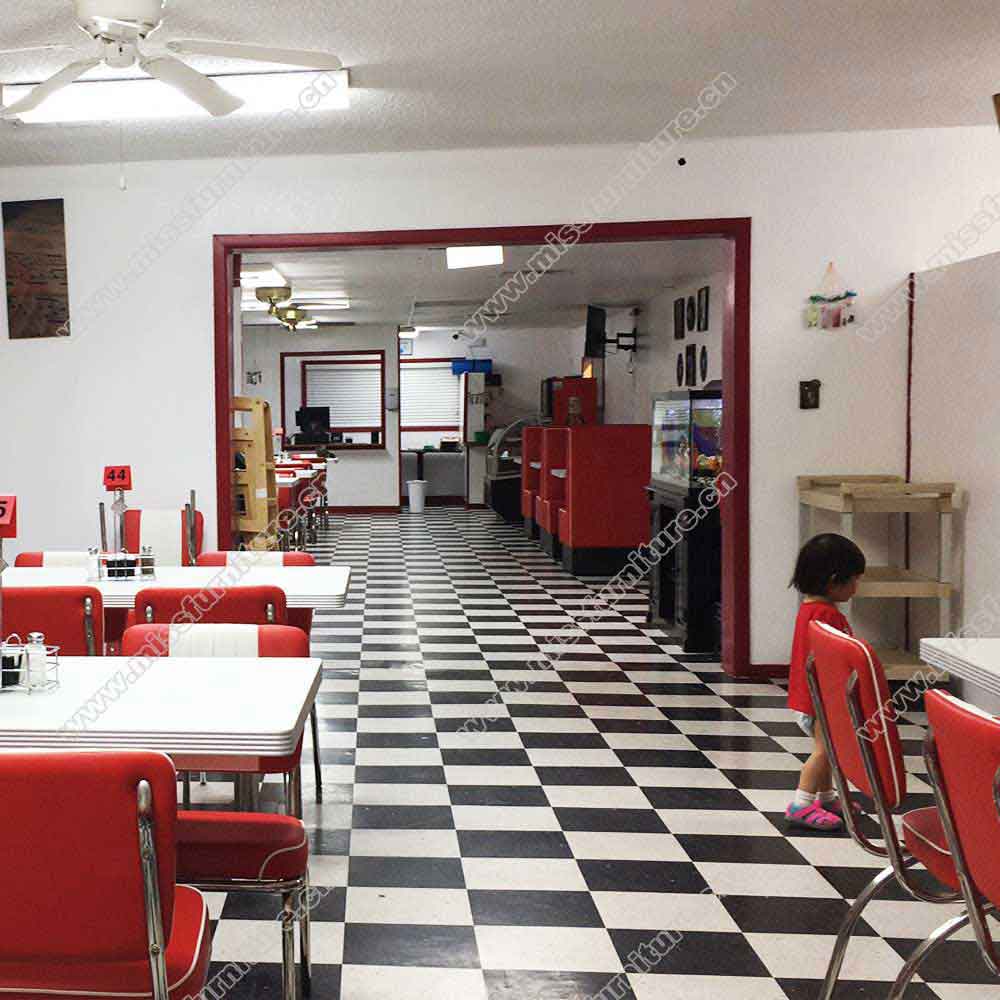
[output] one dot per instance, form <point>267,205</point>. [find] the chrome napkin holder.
<point>122,565</point>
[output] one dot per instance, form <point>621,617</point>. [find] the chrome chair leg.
<point>317,764</point>
<point>305,932</point>
<point>289,972</point>
<point>909,970</point>
<point>186,798</point>
<point>297,792</point>
<point>847,929</point>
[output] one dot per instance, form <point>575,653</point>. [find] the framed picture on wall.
<point>691,365</point>
<point>703,295</point>
<point>692,314</point>
<point>405,348</point>
<point>678,319</point>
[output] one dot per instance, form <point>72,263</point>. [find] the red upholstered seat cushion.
<point>215,846</point>
<point>189,952</point>
<point>925,840</point>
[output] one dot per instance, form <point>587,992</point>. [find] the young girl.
<point>826,573</point>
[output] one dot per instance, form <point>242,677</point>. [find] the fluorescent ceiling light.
<point>459,257</point>
<point>261,275</point>
<point>407,332</point>
<point>143,97</point>
<point>304,300</point>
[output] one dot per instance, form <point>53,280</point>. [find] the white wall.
<point>360,478</point>
<point>956,425</point>
<point>628,397</point>
<point>134,382</point>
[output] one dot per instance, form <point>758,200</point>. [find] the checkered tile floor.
<point>627,791</point>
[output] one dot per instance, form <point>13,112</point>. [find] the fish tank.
<point>687,437</point>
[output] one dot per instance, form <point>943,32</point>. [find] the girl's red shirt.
<point>799,699</point>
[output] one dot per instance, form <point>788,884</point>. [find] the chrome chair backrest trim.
<point>88,625</point>
<point>974,903</point>
<point>151,888</point>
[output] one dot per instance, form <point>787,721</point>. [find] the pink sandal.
<point>813,817</point>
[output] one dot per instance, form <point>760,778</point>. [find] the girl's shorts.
<point>805,722</point>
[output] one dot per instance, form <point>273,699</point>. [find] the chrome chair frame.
<point>976,909</point>
<point>151,892</point>
<point>290,891</point>
<point>900,862</point>
<point>88,626</point>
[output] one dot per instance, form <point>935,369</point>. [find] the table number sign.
<point>118,477</point>
<point>8,517</point>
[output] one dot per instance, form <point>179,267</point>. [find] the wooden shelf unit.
<point>851,495</point>
<point>255,491</point>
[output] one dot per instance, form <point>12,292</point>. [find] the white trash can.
<point>417,488</point>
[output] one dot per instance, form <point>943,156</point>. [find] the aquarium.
<point>687,437</point>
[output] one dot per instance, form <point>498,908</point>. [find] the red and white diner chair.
<point>240,640</point>
<point>299,617</point>
<point>962,753</point>
<point>166,533</point>
<point>260,605</point>
<point>244,852</point>
<point>89,846</point>
<point>52,560</point>
<point>854,707</point>
<point>71,618</point>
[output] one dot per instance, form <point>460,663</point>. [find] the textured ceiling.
<point>383,285</point>
<point>439,74</point>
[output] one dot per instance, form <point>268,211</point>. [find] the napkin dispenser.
<point>139,566</point>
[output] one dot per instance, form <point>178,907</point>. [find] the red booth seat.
<point>52,560</point>
<point>551,489</point>
<point>605,514</point>
<point>531,455</point>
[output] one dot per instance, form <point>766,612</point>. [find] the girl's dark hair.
<point>824,560</point>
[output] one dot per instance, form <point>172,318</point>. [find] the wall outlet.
<point>809,394</point>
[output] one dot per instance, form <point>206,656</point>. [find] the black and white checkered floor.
<point>627,791</point>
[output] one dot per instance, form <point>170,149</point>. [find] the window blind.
<point>429,395</point>
<point>353,392</point>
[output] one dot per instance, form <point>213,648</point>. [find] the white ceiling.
<point>382,285</point>
<point>439,74</point>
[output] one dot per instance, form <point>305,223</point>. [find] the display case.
<point>687,437</point>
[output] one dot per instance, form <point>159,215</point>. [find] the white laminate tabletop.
<point>974,660</point>
<point>322,588</point>
<point>219,706</point>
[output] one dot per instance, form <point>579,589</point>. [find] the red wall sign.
<point>8,517</point>
<point>118,477</point>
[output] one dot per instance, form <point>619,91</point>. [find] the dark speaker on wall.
<point>597,332</point>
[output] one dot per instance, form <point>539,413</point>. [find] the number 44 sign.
<point>8,517</point>
<point>118,477</point>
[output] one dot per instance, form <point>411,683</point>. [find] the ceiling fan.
<point>119,29</point>
<point>291,316</point>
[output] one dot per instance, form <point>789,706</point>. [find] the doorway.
<point>735,506</point>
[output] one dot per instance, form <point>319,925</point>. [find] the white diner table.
<point>322,588</point>
<point>207,713</point>
<point>976,661</point>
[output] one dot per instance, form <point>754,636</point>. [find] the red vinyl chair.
<point>90,849</point>
<point>156,528</point>
<point>244,852</point>
<point>52,560</point>
<point>962,753</point>
<point>71,618</point>
<point>854,706</point>
<point>298,617</point>
<point>228,606</point>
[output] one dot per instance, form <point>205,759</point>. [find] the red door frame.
<point>735,350</point>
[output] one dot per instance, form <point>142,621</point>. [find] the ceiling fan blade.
<point>201,89</point>
<point>996,106</point>
<point>63,78</point>
<point>255,53</point>
<point>36,48</point>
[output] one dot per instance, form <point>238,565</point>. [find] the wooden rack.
<point>850,495</point>
<point>255,492</point>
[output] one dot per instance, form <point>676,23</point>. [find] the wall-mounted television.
<point>597,332</point>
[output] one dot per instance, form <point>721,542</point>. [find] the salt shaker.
<point>36,667</point>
